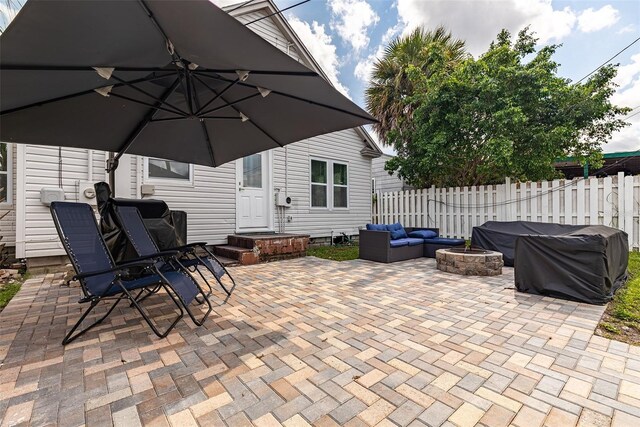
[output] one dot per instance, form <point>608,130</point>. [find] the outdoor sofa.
<point>388,243</point>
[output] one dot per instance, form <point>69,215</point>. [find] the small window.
<point>5,173</point>
<point>169,170</point>
<point>329,184</point>
<point>318,184</point>
<point>252,171</point>
<point>340,186</point>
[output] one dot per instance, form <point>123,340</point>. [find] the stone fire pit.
<point>469,262</point>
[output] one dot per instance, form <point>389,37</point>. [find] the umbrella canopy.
<point>179,80</point>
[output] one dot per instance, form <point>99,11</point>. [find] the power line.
<point>240,6</point>
<point>276,13</point>
<point>610,59</point>
<point>631,115</point>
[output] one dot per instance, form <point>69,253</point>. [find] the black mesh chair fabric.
<point>82,240</point>
<point>133,226</point>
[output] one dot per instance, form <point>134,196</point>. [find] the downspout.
<point>20,200</point>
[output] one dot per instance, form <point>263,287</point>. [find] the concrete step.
<point>227,262</point>
<point>244,256</point>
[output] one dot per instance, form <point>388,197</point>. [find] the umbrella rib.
<point>217,95</point>
<point>229,104</point>
<point>260,72</point>
<point>144,92</point>
<point>205,131</point>
<point>169,119</point>
<point>235,109</point>
<point>155,106</point>
<point>145,121</point>
<point>74,95</point>
<point>5,67</point>
<point>319,104</point>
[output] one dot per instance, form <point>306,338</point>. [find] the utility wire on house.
<point>240,6</point>
<point>276,13</point>
<point>610,59</point>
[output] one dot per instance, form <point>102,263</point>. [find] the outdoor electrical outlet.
<point>289,218</point>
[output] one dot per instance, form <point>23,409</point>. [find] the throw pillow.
<point>423,234</point>
<point>397,231</point>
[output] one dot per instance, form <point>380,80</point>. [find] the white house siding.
<point>8,222</point>
<point>269,31</point>
<point>384,181</point>
<point>40,169</point>
<point>343,146</point>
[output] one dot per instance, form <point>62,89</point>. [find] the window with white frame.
<point>329,184</point>
<point>5,173</point>
<point>169,170</point>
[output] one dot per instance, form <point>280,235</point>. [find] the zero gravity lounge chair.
<point>100,279</point>
<point>144,245</point>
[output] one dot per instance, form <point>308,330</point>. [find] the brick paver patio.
<point>325,343</point>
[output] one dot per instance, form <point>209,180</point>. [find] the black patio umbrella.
<point>179,80</point>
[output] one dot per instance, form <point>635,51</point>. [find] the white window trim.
<point>9,201</point>
<point>168,181</point>
<point>330,184</point>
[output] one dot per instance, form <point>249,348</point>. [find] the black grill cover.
<point>168,228</point>
<point>501,236</point>
<point>586,263</point>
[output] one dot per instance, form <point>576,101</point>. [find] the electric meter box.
<point>283,200</point>
<point>50,194</point>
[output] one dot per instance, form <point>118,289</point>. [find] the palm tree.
<point>390,85</point>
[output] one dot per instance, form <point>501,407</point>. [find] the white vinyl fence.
<point>612,201</point>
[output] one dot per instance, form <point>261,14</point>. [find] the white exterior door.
<point>253,206</point>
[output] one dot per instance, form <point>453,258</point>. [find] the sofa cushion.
<point>406,241</point>
<point>445,241</point>
<point>397,231</point>
<point>376,227</point>
<point>423,234</point>
<point>413,241</point>
<point>398,243</point>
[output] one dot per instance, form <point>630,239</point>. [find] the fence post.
<point>628,208</point>
<point>621,202</point>
<point>506,209</point>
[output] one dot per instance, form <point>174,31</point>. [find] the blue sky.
<point>346,36</point>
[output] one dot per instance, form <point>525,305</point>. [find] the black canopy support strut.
<point>297,98</point>
<point>237,111</point>
<point>149,78</point>
<point>145,121</point>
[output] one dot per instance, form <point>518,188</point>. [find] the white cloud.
<point>320,46</point>
<point>591,20</point>
<point>627,29</point>
<point>478,22</point>
<point>352,20</point>
<point>364,67</point>
<point>627,95</point>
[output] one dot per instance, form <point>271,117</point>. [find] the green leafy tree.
<point>506,113</point>
<point>390,90</point>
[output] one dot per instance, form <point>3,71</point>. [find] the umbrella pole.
<point>112,165</point>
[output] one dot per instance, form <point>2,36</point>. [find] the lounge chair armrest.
<point>116,269</point>
<point>162,254</point>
